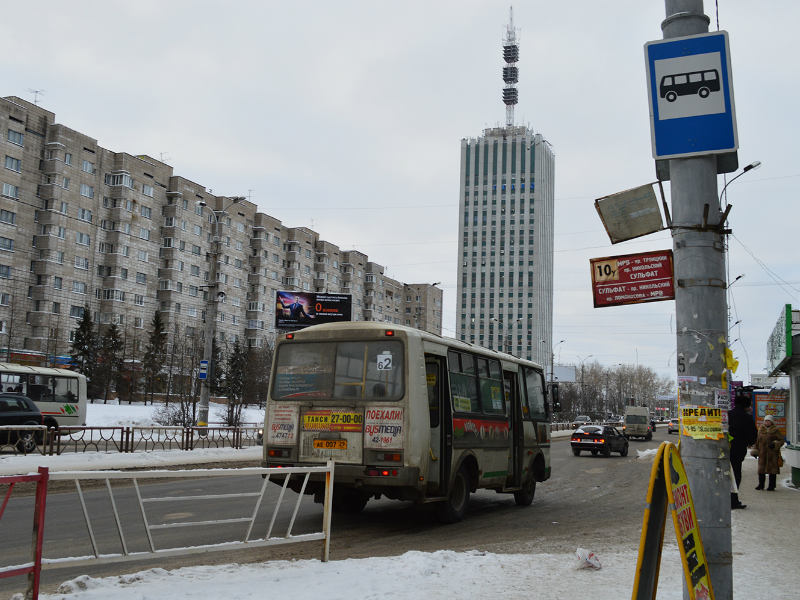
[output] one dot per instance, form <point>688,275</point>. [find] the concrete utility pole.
<point>701,310</point>
<point>214,295</point>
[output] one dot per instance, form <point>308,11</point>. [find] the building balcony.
<point>50,191</point>
<point>170,210</point>
<point>321,267</point>
<point>120,215</point>
<point>258,243</point>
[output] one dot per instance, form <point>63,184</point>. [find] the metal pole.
<point>210,330</point>
<point>701,312</point>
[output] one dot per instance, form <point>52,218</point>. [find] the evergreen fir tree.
<point>84,351</point>
<point>233,384</point>
<point>154,355</point>
<point>109,365</point>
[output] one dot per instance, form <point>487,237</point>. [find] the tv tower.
<point>510,70</point>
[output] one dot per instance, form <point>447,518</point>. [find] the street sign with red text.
<point>632,278</point>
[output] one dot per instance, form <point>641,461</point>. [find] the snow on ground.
<point>137,415</point>
<point>768,528</point>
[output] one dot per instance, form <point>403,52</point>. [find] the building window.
<point>6,244</point>
<point>138,300</point>
<point>147,190</point>
<point>13,164</point>
<point>141,278</point>
<point>79,287</point>
<point>15,137</point>
<point>6,216</point>
<point>87,191</point>
<point>57,283</point>
<point>76,312</point>
<point>81,263</point>
<point>5,272</point>
<point>144,233</point>
<point>87,167</point>
<point>68,158</point>
<point>82,238</point>
<point>146,211</point>
<point>10,191</point>
<point>85,215</point>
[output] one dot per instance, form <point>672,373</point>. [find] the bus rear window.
<point>362,370</point>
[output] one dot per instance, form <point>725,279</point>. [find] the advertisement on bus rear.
<point>295,310</point>
<point>632,278</point>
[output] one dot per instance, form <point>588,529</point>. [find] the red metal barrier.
<point>34,568</point>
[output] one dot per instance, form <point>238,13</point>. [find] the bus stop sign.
<point>691,96</point>
<point>202,372</point>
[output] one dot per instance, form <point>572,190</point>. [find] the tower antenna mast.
<point>510,70</point>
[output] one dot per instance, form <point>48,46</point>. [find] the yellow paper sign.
<point>701,422</point>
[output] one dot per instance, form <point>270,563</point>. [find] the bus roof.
<point>411,332</point>
<point>17,368</point>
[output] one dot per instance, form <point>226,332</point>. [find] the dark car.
<point>581,420</point>
<point>16,409</point>
<point>602,439</point>
<point>673,426</point>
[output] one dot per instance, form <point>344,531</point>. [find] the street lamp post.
<point>553,358</point>
<point>213,296</point>
<point>582,361</point>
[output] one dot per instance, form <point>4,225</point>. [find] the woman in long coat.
<point>770,440</point>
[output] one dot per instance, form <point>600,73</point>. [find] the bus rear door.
<point>441,425</point>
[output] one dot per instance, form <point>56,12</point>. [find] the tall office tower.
<point>505,272</point>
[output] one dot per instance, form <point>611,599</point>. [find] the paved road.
<point>593,502</point>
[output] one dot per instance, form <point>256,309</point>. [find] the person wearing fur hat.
<point>770,440</point>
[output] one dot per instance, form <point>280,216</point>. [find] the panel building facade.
<point>505,273</point>
<point>81,225</point>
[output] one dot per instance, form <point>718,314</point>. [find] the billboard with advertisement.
<point>632,278</point>
<point>294,310</point>
<point>771,402</point>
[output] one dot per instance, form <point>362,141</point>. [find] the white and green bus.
<point>406,414</point>
<point>59,394</point>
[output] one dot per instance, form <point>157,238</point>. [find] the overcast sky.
<point>347,117</point>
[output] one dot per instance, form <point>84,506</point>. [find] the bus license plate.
<point>330,444</point>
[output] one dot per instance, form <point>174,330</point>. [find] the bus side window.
<point>463,384</point>
<point>534,388</point>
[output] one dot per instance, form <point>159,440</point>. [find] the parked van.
<point>637,422</point>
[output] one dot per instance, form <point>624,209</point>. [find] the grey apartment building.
<point>81,225</point>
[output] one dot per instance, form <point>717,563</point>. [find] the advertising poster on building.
<point>632,278</point>
<point>772,402</point>
<point>295,310</point>
<point>701,422</point>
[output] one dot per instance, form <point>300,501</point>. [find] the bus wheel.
<point>349,501</point>
<point>703,92</point>
<point>524,497</point>
<point>671,96</point>
<point>452,510</point>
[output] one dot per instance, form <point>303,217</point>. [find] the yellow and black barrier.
<point>669,487</point>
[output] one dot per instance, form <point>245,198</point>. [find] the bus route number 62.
<point>385,361</point>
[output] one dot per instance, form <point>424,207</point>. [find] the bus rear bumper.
<point>400,483</point>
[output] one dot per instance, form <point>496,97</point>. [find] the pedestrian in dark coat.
<point>743,432</point>
<point>770,440</point>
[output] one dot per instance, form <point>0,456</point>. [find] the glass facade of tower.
<point>505,273</point>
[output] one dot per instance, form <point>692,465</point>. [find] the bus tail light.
<point>381,472</point>
<point>278,453</point>
<point>389,333</point>
<point>289,336</point>
<point>393,457</point>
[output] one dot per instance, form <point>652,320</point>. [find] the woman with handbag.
<point>770,440</point>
